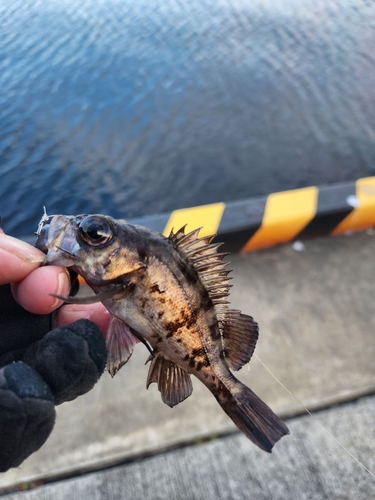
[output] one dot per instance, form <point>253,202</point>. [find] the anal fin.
<point>120,344</point>
<point>174,383</point>
<point>240,334</point>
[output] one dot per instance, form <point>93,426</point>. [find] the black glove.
<point>39,369</point>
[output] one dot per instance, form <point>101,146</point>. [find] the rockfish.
<point>171,294</point>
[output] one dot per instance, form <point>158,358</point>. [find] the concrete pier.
<point>316,311</point>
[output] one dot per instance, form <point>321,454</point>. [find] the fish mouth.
<point>56,258</point>
<point>57,238</point>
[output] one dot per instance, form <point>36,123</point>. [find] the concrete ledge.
<point>309,464</point>
<point>316,314</point>
<point>257,223</point>
<point>277,218</point>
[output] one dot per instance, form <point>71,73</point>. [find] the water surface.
<point>132,108</point>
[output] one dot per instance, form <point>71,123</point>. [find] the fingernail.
<point>62,286</point>
<point>20,249</point>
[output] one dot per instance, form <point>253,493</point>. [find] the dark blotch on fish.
<point>189,274</point>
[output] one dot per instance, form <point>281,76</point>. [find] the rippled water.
<point>132,108</point>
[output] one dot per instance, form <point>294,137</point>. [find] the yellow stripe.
<point>285,215</point>
<point>208,216</point>
<point>363,216</point>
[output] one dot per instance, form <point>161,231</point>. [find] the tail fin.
<point>254,418</point>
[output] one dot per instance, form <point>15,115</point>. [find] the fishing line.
<point>316,420</point>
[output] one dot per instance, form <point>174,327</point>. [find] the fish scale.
<point>171,294</point>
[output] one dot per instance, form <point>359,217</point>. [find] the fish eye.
<point>96,230</point>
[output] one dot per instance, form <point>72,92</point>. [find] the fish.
<point>170,293</point>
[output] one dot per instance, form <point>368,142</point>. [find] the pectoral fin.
<point>240,334</point>
<point>174,383</point>
<point>120,344</point>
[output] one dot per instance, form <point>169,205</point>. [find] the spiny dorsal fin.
<point>240,334</point>
<point>207,262</point>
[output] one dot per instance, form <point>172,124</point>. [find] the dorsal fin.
<point>240,334</point>
<point>207,262</point>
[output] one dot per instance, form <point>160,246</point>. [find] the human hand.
<point>40,368</point>
<point>32,284</point>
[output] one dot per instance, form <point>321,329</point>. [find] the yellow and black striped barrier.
<point>277,218</point>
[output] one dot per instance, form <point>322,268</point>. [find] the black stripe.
<point>332,209</point>
<point>234,242</point>
<point>239,222</point>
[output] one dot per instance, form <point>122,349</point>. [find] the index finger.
<point>97,313</point>
<point>18,259</point>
